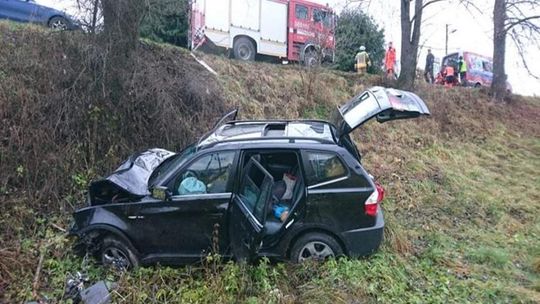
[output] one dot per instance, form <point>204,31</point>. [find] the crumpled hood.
<point>132,176</point>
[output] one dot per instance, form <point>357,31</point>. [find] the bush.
<point>166,21</point>
<point>65,117</point>
<point>353,30</point>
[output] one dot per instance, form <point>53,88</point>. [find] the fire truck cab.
<point>293,30</point>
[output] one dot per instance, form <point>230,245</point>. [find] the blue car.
<point>30,11</point>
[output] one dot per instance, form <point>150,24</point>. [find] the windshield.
<point>171,163</point>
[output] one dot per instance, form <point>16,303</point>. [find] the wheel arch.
<point>104,230</point>
<point>306,231</point>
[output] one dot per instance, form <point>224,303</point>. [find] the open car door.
<point>382,103</point>
<point>248,211</point>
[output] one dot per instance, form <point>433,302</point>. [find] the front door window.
<point>208,174</point>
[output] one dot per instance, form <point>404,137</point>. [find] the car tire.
<point>117,254</point>
<point>477,85</point>
<point>315,246</point>
<point>58,23</point>
<point>244,49</point>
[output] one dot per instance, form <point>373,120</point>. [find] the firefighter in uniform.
<point>462,71</point>
<point>362,61</point>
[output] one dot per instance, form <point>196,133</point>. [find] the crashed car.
<point>284,189</point>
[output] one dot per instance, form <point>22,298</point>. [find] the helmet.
<point>362,48</point>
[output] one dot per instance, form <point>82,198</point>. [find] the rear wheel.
<point>477,85</point>
<point>58,23</point>
<point>315,246</point>
<point>117,254</point>
<point>244,49</point>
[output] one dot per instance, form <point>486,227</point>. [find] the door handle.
<point>136,217</point>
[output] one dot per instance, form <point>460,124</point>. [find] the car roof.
<point>274,132</point>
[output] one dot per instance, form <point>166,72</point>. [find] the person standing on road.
<point>362,61</point>
<point>428,72</point>
<point>390,61</point>
<point>462,71</point>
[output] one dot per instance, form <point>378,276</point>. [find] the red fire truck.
<point>292,30</point>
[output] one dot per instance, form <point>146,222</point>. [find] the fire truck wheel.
<point>244,49</point>
<point>310,59</point>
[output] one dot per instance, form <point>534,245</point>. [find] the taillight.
<point>372,203</point>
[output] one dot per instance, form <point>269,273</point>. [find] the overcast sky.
<point>473,32</point>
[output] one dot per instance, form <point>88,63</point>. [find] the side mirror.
<point>161,193</point>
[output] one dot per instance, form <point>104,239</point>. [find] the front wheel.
<point>315,246</point>
<point>311,59</point>
<point>58,23</point>
<point>117,255</point>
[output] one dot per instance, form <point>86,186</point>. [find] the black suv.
<point>288,189</point>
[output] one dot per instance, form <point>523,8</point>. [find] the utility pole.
<point>446,44</point>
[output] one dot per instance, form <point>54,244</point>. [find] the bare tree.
<point>410,38</point>
<point>90,15</point>
<point>517,19</point>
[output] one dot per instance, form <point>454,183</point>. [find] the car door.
<point>247,214</point>
<point>382,103</point>
<point>20,10</point>
<point>8,9</point>
<point>189,222</point>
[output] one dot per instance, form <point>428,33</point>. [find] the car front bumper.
<point>364,241</point>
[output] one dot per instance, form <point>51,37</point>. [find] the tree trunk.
<point>95,11</point>
<point>121,20</point>
<point>498,86</point>
<point>410,38</point>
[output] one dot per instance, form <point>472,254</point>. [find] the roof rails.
<point>261,139</point>
<point>234,122</point>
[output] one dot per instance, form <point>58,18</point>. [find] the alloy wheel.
<point>317,251</point>
<point>59,25</point>
<point>115,258</point>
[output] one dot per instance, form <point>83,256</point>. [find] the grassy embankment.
<point>463,186</point>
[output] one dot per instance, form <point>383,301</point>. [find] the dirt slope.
<point>463,198</point>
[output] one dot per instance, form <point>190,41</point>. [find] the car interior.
<point>288,187</point>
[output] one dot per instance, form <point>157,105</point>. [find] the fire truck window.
<point>318,15</point>
<point>328,20</point>
<point>322,16</point>
<point>301,12</point>
<point>487,66</point>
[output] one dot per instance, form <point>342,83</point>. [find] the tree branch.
<point>424,6</point>
<point>510,25</point>
<point>519,45</point>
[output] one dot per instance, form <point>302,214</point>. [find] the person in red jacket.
<point>449,76</point>
<point>390,61</point>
